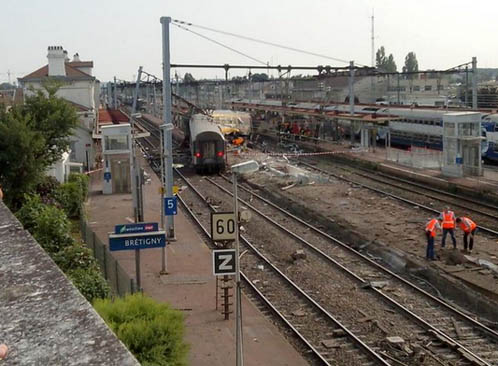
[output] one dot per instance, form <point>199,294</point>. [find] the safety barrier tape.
<point>301,154</point>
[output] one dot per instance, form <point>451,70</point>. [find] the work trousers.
<point>430,246</point>
<point>471,243</point>
<point>452,233</point>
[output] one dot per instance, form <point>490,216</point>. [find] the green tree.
<point>411,63</point>
<point>390,64</point>
<point>384,63</point>
<point>188,78</point>
<point>380,58</point>
<point>33,137</point>
<point>259,77</point>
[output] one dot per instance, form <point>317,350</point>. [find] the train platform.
<point>486,184</point>
<point>189,285</point>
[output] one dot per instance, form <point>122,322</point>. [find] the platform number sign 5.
<point>222,226</point>
<point>224,262</point>
<point>170,206</point>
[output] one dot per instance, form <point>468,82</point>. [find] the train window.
<point>416,88</point>
<point>496,127</point>
<point>428,88</point>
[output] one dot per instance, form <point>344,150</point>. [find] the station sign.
<point>141,227</point>
<point>224,262</point>
<point>144,240</point>
<point>170,206</point>
<point>222,226</point>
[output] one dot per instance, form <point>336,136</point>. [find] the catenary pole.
<point>351,96</point>
<point>135,177</point>
<point>239,360</point>
<point>167,124</point>
<point>474,82</point>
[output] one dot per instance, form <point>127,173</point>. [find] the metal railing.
<point>120,282</point>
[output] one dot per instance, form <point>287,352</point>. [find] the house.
<point>80,88</point>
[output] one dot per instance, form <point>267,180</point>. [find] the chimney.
<point>76,57</point>
<point>66,57</point>
<point>56,61</point>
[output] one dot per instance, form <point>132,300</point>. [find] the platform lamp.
<point>246,167</point>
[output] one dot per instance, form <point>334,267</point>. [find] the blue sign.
<point>459,160</point>
<point>170,205</point>
<point>107,176</point>
<point>141,227</point>
<point>155,239</point>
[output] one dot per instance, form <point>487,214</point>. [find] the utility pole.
<point>351,96</point>
<point>167,126</point>
<point>466,86</point>
<point>372,83</point>
<point>474,82</point>
<point>116,95</point>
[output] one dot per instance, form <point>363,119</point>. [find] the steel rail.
<point>358,341</point>
<point>370,261</point>
<point>377,190</point>
<point>253,287</point>
<point>358,278</point>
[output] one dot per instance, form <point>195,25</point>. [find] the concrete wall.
<point>45,320</point>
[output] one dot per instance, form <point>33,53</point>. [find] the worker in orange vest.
<point>469,228</point>
<point>448,223</point>
<point>430,233</point>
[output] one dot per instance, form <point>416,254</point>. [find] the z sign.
<point>224,262</point>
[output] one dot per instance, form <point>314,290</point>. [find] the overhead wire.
<point>220,44</point>
<point>262,41</point>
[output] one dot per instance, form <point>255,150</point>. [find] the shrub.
<point>75,256</point>
<point>152,331</point>
<point>46,189</point>
<point>51,229</point>
<point>90,283</point>
<point>69,197</point>
<point>82,180</point>
<point>30,210</point>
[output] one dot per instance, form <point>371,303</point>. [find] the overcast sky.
<point>121,35</point>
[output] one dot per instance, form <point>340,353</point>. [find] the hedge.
<point>152,331</point>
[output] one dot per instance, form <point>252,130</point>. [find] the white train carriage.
<point>207,145</point>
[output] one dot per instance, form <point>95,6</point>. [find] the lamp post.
<point>237,169</point>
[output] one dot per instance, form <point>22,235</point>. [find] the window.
<point>116,142</point>
<point>416,88</point>
<point>428,88</point>
<point>72,146</point>
<point>440,87</point>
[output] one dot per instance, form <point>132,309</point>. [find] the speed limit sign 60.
<point>222,226</point>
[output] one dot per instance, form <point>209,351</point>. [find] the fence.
<point>416,157</point>
<point>115,275</point>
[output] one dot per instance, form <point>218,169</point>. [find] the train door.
<point>208,149</point>
<point>120,171</point>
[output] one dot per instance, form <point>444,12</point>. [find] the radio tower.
<point>373,37</point>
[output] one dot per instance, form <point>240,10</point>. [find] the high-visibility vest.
<point>467,225</point>
<point>448,220</point>
<point>431,227</point>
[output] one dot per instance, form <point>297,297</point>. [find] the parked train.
<point>207,144</point>
<point>414,127</point>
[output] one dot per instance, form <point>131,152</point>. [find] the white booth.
<point>462,144</point>
<point>116,150</point>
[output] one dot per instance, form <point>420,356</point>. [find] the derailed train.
<point>414,127</point>
<point>207,144</point>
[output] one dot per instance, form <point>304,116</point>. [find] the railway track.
<point>443,329</point>
<point>311,322</point>
<point>451,337</point>
<point>489,215</point>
